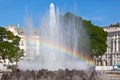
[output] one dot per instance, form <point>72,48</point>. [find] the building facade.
<point>27,37</point>
<point>112,54</point>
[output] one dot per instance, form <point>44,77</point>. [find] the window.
<point>22,43</point>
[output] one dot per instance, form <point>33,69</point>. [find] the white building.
<point>18,31</point>
<point>112,55</point>
<point>25,36</point>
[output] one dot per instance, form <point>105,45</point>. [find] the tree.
<point>98,38</point>
<point>95,37</point>
<point>9,45</point>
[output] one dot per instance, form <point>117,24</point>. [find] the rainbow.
<point>64,50</point>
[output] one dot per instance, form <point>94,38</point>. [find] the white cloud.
<point>97,19</point>
<point>86,18</point>
<point>94,18</point>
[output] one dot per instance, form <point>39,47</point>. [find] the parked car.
<point>116,67</point>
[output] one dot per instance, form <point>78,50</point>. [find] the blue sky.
<point>100,12</point>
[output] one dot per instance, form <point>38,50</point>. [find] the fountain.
<point>56,46</point>
<point>54,54</point>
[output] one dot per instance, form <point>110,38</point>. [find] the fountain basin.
<point>44,74</point>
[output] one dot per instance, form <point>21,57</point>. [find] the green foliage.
<point>98,39</point>
<point>95,37</point>
<point>9,45</point>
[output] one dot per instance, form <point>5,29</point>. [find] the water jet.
<point>56,46</point>
<point>56,53</point>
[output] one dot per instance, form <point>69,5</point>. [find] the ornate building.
<point>25,35</point>
<point>112,55</point>
<point>21,33</point>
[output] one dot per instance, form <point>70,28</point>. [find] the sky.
<point>101,12</point>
